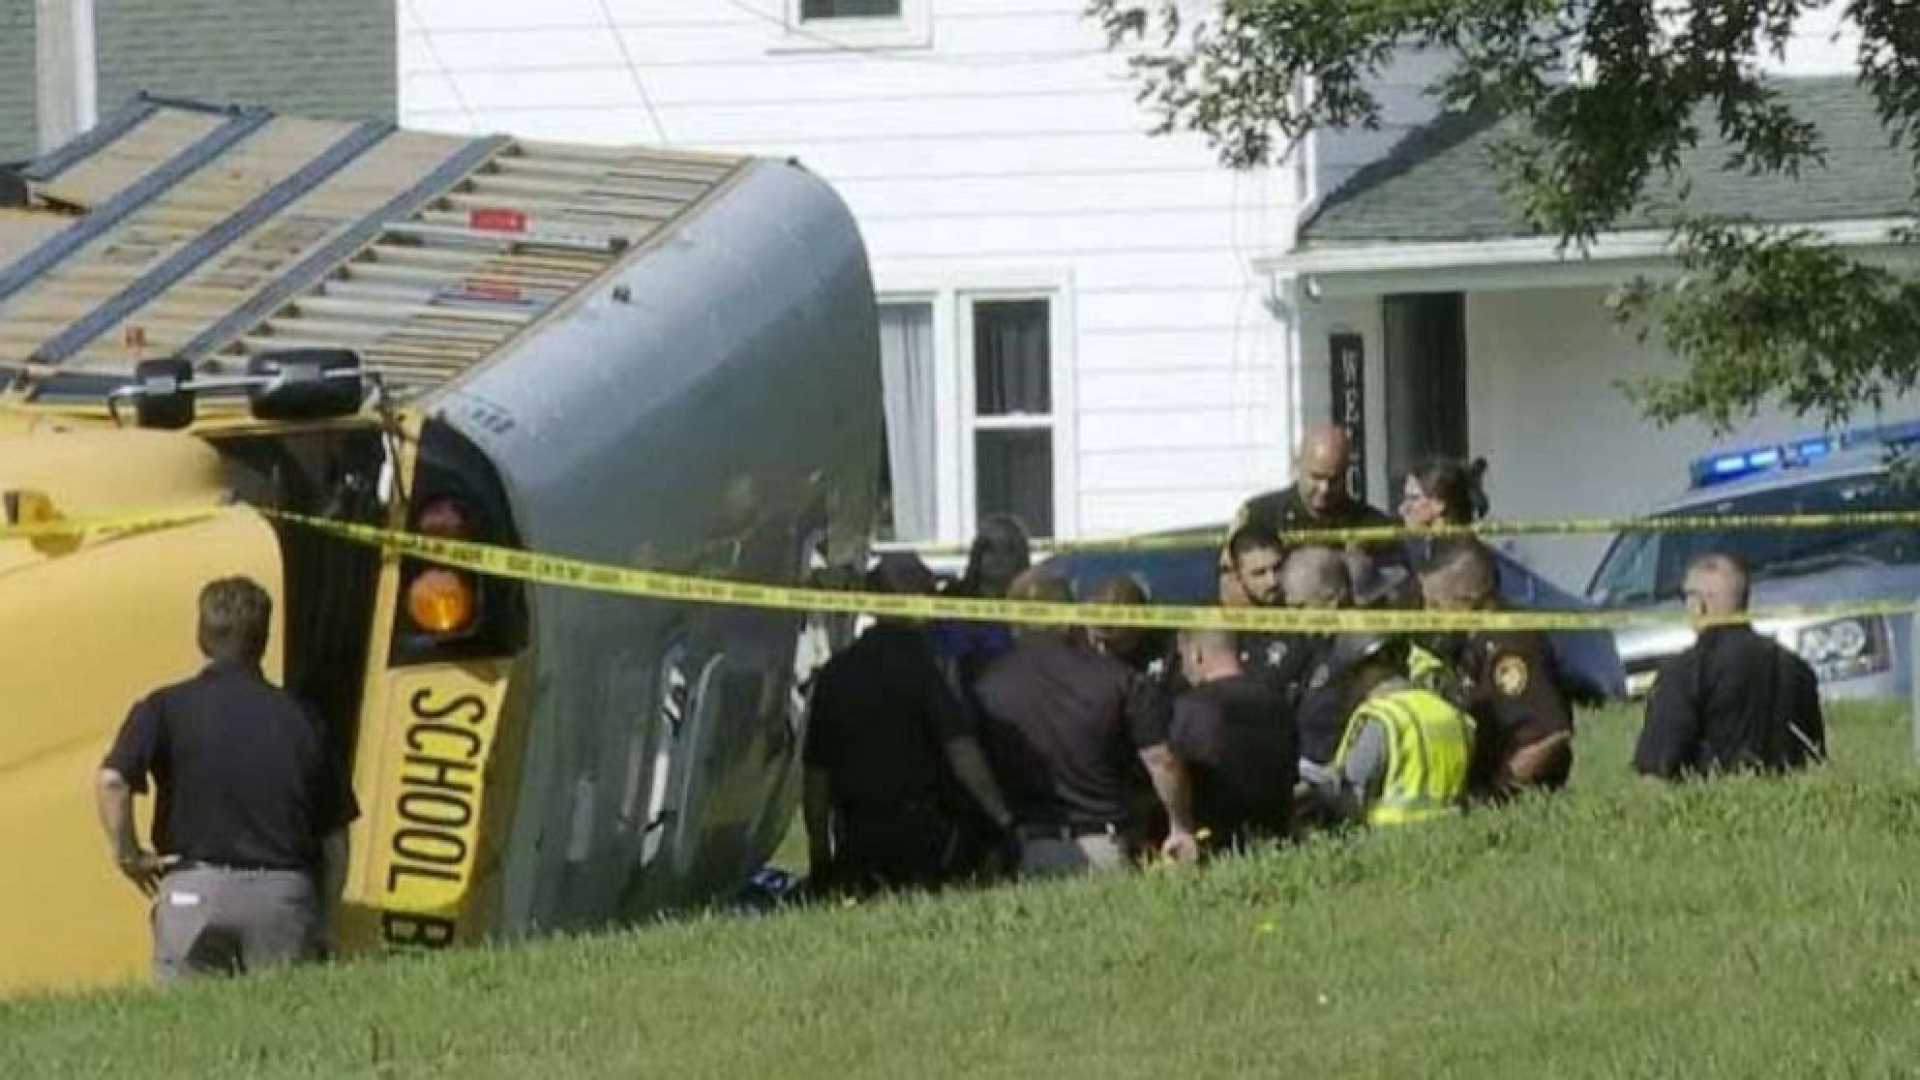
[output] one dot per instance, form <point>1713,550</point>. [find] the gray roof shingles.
<point>1438,184</point>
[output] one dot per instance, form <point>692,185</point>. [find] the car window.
<point>1648,567</point>
<point>1628,574</point>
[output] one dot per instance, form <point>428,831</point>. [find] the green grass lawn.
<point>1740,928</point>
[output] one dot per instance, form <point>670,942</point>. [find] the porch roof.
<point>1435,201</point>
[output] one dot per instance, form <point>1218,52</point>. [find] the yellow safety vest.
<point>1429,746</point>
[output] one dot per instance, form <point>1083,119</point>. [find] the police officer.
<point>1508,678</point>
<point>1233,732</point>
<point>1318,578</point>
<point>1736,699</point>
<point>1406,752</point>
<point>1253,555</point>
<point>249,831</point>
<point>1064,731</point>
<point>894,771</point>
<point>1319,498</point>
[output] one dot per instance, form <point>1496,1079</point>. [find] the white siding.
<point>1561,438</point>
<point>1009,155</point>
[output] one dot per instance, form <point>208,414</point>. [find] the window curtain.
<point>1012,361</point>
<point>906,382</point>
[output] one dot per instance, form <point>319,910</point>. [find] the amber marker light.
<point>440,601</point>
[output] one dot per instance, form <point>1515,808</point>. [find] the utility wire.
<point>633,69</point>
<point>433,52</point>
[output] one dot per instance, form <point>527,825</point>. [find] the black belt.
<point>1043,830</point>
<point>236,867</point>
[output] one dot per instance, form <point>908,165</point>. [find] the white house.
<point>1101,331</point>
<point>1073,324</point>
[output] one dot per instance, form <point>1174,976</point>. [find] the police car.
<point>1864,657</point>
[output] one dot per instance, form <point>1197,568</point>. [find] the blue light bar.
<point>1730,465</point>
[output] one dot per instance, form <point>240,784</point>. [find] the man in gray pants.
<point>249,826</point>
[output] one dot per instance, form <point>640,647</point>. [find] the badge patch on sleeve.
<point>1510,674</point>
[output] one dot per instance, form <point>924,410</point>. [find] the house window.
<point>827,25</point>
<point>849,9</point>
<point>1013,423</point>
<point>909,484</point>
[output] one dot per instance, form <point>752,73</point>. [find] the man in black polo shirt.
<point>895,777</point>
<point>1233,732</point>
<point>1736,700</point>
<point>249,831</point>
<point>1064,729</point>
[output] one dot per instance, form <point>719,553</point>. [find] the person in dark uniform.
<point>895,775</point>
<point>1155,663</point>
<point>1736,699</point>
<point>249,827</point>
<point>1253,558</point>
<point>1507,679</point>
<point>1316,578</point>
<point>1064,731</point>
<point>1251,578</point>
<point>1319,498</point>
<point>1233,732</point>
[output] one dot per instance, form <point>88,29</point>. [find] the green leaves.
<point>1608,95</point>
<point>1766,314</point>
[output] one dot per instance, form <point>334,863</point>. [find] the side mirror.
<point>304,384</point>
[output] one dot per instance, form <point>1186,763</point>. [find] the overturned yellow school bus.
<point>631,355</point>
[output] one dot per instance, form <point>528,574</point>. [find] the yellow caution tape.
<point>1373,534</point>
<point>543,569</point>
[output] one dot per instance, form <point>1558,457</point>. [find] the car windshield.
<point>1643,568</point>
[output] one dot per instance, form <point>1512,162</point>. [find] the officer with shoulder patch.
<point>1406,752</point>
<point>1510,680</point>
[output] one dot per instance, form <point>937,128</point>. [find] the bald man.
<point>1736,700</point>
<point>1319,497</point>
<point>1233,732</point>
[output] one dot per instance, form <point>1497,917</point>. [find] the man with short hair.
<point>1314,577</point>
<point>1254,556</point>
<point>1734,700</point>
<point>895,774</point>
<point>1233,732</point>
<point>249,832</point>
<point>1510,680</point>
<point>1064,729</point>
